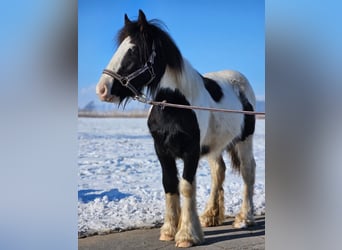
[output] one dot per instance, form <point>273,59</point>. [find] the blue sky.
<point>212,35</point>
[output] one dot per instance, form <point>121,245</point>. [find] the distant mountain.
<point>98,106</point>
<point>89,102</point>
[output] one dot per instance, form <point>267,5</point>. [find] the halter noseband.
<point>125,80</point>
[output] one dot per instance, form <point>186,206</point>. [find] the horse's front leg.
<point>190,232</point>
<point>172,207</point>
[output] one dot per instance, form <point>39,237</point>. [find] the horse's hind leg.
<point>214,212</point>
<point>247,169</point>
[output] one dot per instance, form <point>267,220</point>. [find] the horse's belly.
<point>222,129</point>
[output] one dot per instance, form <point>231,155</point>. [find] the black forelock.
<point>134,30</point>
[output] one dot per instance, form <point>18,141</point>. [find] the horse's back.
<point>233,80</point>
<point>224,127</point>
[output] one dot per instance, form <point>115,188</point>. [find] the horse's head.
<point>140,60</point>
<point>132,67</point>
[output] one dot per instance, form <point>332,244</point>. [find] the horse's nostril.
<point>103,90</point>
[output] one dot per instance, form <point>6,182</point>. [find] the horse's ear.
<point>142,19</point>
<point>127,21</point>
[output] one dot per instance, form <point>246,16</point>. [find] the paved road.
<point>216,238</point>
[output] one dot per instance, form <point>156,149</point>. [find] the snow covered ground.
<point>120,182</point>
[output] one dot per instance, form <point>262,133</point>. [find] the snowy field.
<point>120,182</point>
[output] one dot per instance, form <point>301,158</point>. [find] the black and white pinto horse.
<point>147,58</point>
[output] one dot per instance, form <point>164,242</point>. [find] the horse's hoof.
<point>184,244</point>
<point>210,221</point>
<point>240,224</point>
<point>207,224</point>
<point>165,237</point>
<point>204,224</point>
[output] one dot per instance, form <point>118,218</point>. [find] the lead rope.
<point>163,104</point>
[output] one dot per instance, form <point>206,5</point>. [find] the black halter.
<point>125,80</point>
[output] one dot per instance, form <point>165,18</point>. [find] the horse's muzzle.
<point>103,92</point>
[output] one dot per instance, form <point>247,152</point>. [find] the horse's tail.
<point>234,156</point>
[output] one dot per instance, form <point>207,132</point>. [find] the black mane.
<point>143,35</point>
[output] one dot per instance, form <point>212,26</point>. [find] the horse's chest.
<point>175,131</point>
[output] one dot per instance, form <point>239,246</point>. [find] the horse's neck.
<point>188,82</point>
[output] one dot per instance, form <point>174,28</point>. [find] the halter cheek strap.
<point>125,80</point>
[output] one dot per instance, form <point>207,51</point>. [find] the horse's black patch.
<point>205,149</point>
<point>176,135</point>
<point>213,88</point>
<point>249,120</point>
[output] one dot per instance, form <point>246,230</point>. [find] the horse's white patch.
<point>190,227</point>
<point>237,81</point>
<point>172,213</point>
<point>114,64</point>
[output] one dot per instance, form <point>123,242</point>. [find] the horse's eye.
<point>134,51</point>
